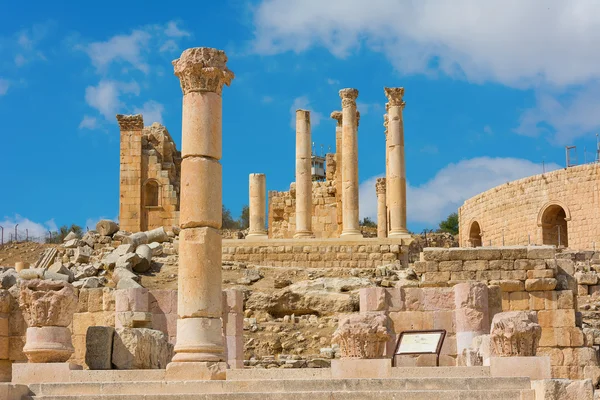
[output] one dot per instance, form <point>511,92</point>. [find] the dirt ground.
<point>29,252</point>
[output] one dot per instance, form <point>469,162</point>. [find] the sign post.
<point>420,342</point>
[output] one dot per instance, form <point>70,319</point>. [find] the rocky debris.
<point>47,303</point>
<point>127,283</point>
<point>70,236</point>
<point>515,333</point>
<point>98,347</point>
<point>157,248</point>
<point>46,259</point>
<point>362,336</point>
<point>140,348</point>
<point>563,389</point>
<point>8,278</point>
<point>250,276</point>
<point>106,227</point>
<point>83,254</point>
<point>144,253</point>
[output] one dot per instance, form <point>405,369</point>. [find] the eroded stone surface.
<point>362,336</point>
<point>515,333</point>
<point>141,348</point>
<point>47,303</point>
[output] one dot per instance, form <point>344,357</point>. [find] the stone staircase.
<point>416,384</point>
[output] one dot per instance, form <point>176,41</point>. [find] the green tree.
<point>368,223</point>
<point>244,220</point>
<point>228,221</point>
<point>450,224</point>
<point>59,235</point>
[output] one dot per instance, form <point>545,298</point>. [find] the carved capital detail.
<point>386,122</point>
<point>202,69</point>
<point>130,122</point>
<point>380,186</point>
<point>394,96</point>
<point>337,115</point>
<point>348,97</point>
<point>362,336</point>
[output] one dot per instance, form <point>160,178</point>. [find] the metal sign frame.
<point>437,351</point>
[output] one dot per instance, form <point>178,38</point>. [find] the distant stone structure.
<point>149,176</point>
<point>560,208</point>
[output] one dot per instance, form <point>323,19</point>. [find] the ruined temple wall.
<point>325,205</point>
<point>513,210</point>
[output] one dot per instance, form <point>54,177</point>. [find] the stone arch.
<point>151,193</point>
<point>553,219</point>
<point>475,234</point>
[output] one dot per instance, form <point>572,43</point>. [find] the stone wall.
<point>150,177</point>
<point>327,253</point>
<point>100,307</point>
<point>533,278</point>
<point>530,209</point>
<point>325,219</point>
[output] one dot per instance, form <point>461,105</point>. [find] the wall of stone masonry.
<point>102,306</point>
<point>325,204</point>
<point>327,253</point>
<point>513,209</point>
<point>533,278</point>
<point>151,157</point>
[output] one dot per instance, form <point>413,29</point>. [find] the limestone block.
<point>586,278</point>
<point>592,372</point>
<point>540,273</point>
<point>372,299</point>
<point>436,254</point>
<point>362,336</point>
<point>157,235</point>
<point>132,300</point>
<point>47,303</point>
<point>120,274</point>
<point>514,252</point>
<point>83,254</point>
<point>519,301</point>
<point>145,258</point>
<point>157,248</point>
<point>509,285</point>
<point>540,284</point>
<point>475,265</point>
<point>136,239</point>
<point>127,261</point>
<point>563,389</point>
<point>560,299</point>
<point>98,347</point>
<point>106,227</point>
<point>123,249</point>
<point>556,318</point>
<point>438,299</point>
<point>411,321</point>
<point>452,266</point>
<point>127,283</point>
<point>501,265</point>
<point>540,252</point>
<point>71,244</point>
<point>200,207</point>
<point>133,319</point>
<point>140,348</point>
<point>533,367</point>
<point>515,334</point>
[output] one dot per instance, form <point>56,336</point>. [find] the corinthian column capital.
<point>348,97</point>
<point>380,186</point>
<point>394,96</point>
<point>337,115</point>
<point>130,122</point>
<point>202,69</point>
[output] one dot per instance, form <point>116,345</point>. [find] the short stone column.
<point>471,313</point>
<point>337,115</point>
<point>396,163</point>
<point>199,350</point>
<point>48,307</point>
<point>381,208</point>
<point>303,176</point>
<point>258,195</point>
<point>350,216</point>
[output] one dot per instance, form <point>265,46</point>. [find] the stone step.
<point>513,394</point>
<point>282,386</point>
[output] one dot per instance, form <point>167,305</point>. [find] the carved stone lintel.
<point>515,333</point>
<point>337,115</point>
<point>362,336</point>
<point>380,186</point>
<point>202,69</point>
<point>47,303</point>
<point>394,96</point>
<point>130,122</point>
<point>348,97</point>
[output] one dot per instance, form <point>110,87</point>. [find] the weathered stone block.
<point>556,318</point>
<point>509,285</point>
<point>98,347</point>
<point>476,265</point>
<point>411,320</point>
<point>540,252</point>
<point>140,348</point>
<point>540,273</point>
<point>450,266</point>
<point>519,301</point>
<point>514,253</point>
<point>586,278</point>
<point>540,284</point>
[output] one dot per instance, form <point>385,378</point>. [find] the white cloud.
<point>152,112</point>
<point>106,96</point>
<point>303,103</point>
<point>4,84</point>
<point>331,81</point>
<point>35,230</point>
<point>432,201</point>
<point>88,123</point>
<point>172,30</point>
<point>169,45</point>
<point>365,108</point>
<point>127,48</point>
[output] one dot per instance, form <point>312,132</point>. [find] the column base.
<point>351,235</point>
<point>196,371</point>
<point>399,234</point>
<point>304,235</point>
<point>257,236</point>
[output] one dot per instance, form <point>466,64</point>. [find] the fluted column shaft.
<point>397,165</point>
<point>381,208</point>
<point>350,217</point>
<point>258,194</point>
<point>303,175</point>
<point>202,73</point>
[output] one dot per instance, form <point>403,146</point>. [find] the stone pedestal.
<point>303,176</point>
<point>196,371</point>
<point>28,373</point>
<point>396,179</point>
<point>21,265</point>
<point>533,367</point>
<point>350,215</point>
<point>258,193</point>
<point>202,73</point>
<point>381,208</point>
<point>354,368</point>
<point>48,344</point>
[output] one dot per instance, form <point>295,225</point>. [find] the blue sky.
<point>493,89</point>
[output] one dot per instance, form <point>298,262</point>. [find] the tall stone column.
<point>396,163</point>
<point>337,115</point>
<point>130,186</point>
<point>199,351</point>
<point>303,176</point>
<point>381,208</point>
<point>350,222</point>
<point>258,195</point>
<point>387,166</point>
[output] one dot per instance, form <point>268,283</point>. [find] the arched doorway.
<point>475,234</point>
<point>554,226</point>
<point>151,194</point>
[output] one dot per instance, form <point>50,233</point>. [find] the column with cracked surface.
<point>381,208</point>
<point>303,176</point>
<point>257,217</point>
